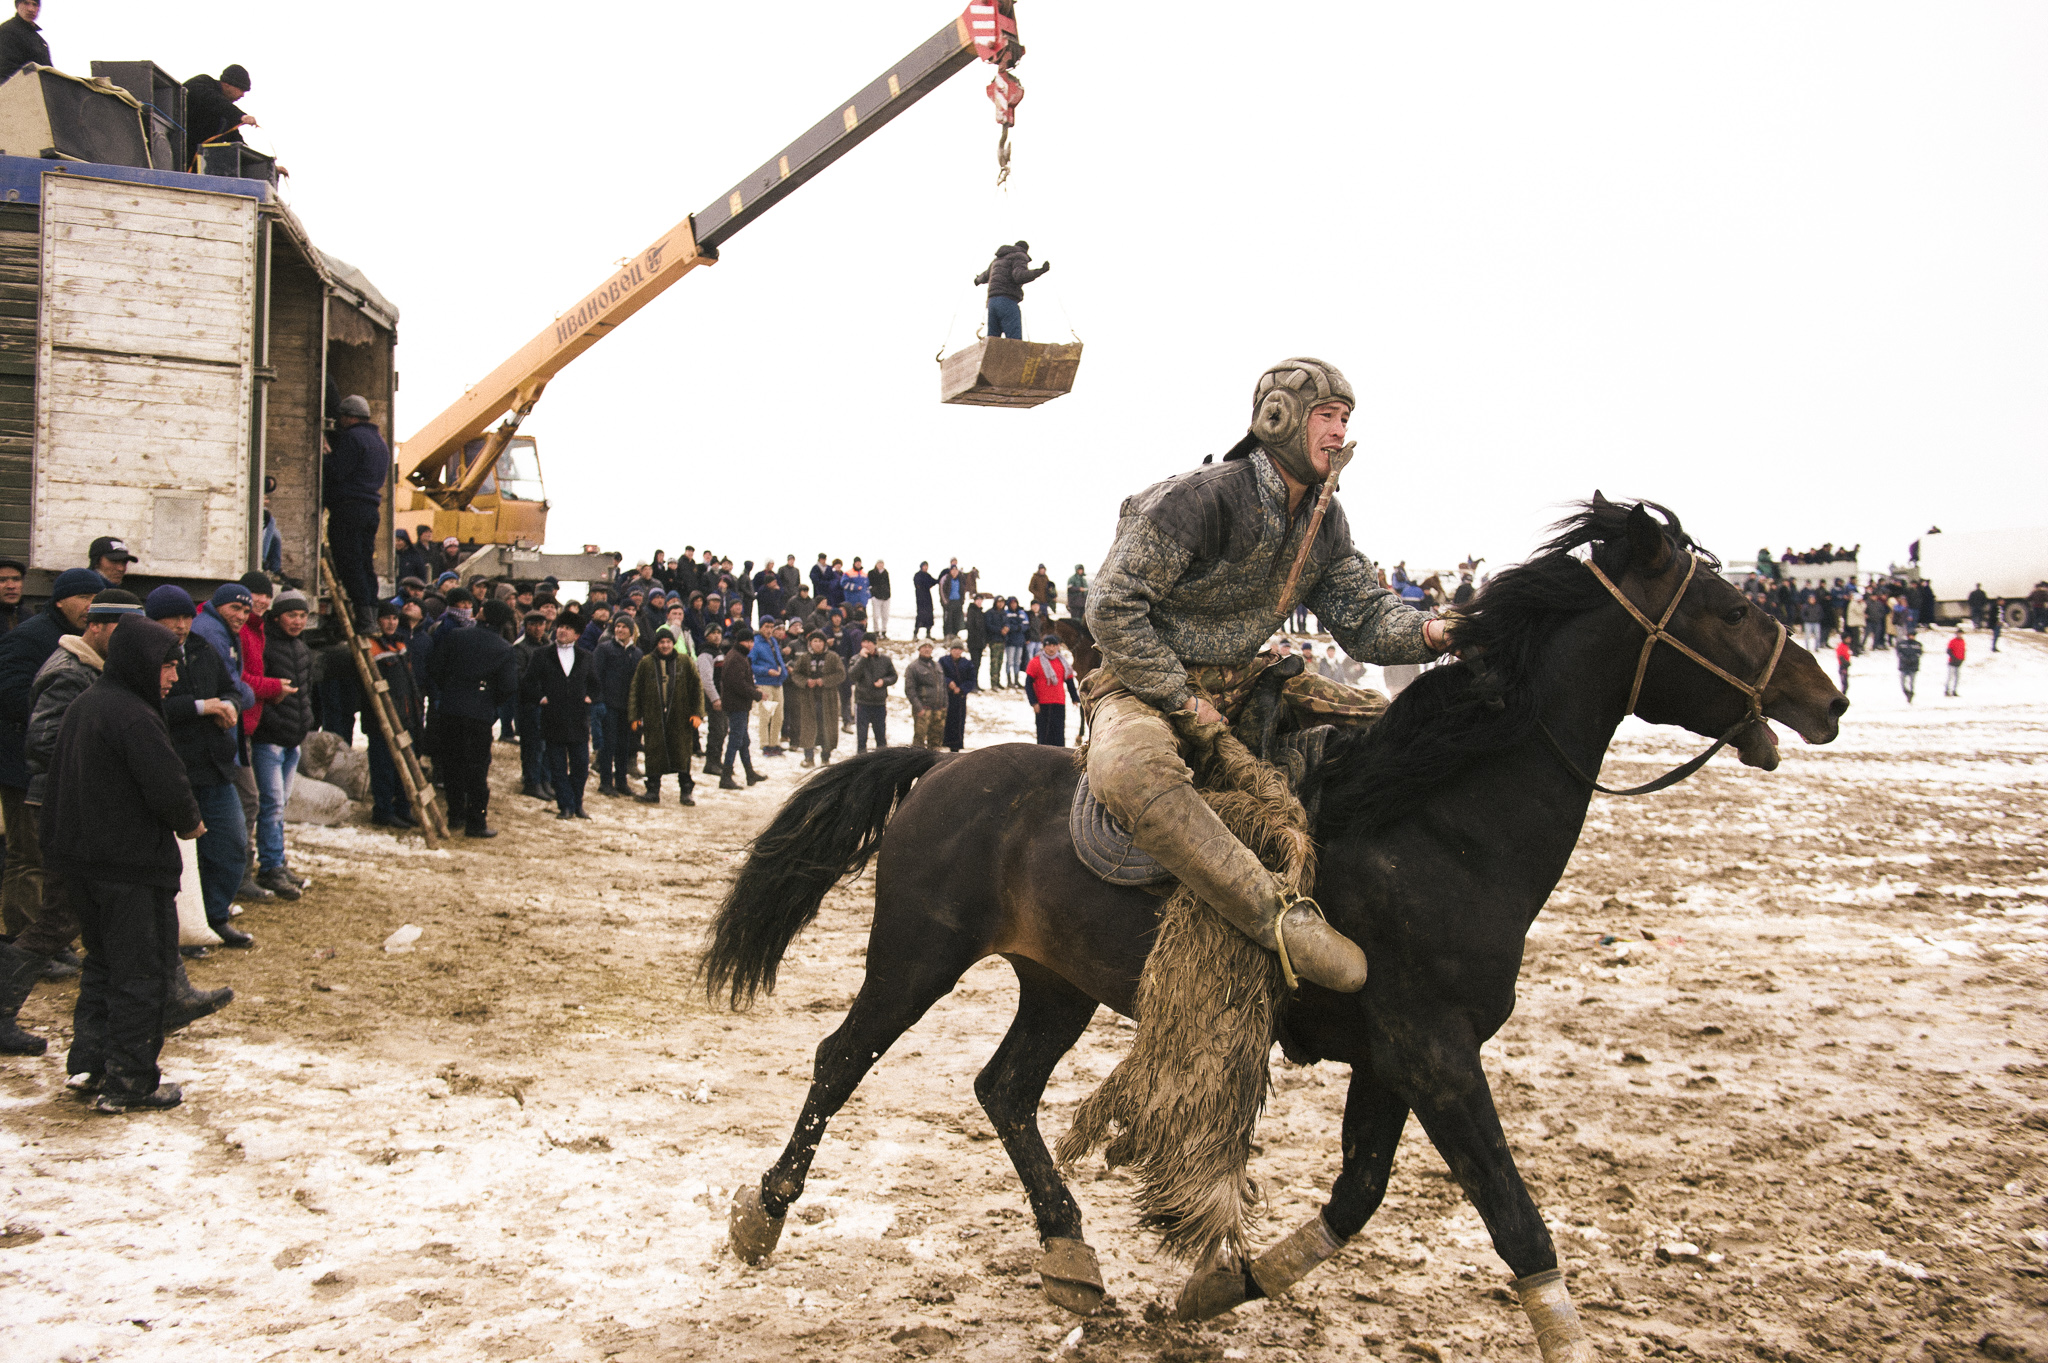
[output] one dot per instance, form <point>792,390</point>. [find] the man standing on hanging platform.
<point>1006,277</point>
<point>1204,569</point>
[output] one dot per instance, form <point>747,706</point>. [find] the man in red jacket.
<point>1050,680</point>
<point>1957,651</point>
<point>266,688</point>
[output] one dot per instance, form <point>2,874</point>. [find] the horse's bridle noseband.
<point>1657,632</point>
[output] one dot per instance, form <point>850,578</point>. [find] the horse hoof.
<point>1218,1286</point>
<point>751,1230</point>
<point>1071,1276</point>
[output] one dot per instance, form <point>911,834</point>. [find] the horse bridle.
<point>1659,632</point>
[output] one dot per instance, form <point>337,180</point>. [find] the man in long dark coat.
<point>666,704</point>
<point>959,681</point>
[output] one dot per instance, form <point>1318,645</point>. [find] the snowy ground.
<point>1794,1108</point>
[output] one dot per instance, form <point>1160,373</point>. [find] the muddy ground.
<point>1796,1111</point>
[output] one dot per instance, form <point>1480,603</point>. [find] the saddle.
<point>1104,845</point>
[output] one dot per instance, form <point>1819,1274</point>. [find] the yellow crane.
<point>475,477</point>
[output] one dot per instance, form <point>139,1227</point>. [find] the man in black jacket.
<point>21,39</point>
<point>210,112</point>
<point>1006,277</point>
<point>203,713</point>
<point>352,485</point>
<point>559,681</point>
<point>22,652</point>
<point>475,672</point>
<point>533,743</point>
<point>118,797</point>
<point>280,729</point>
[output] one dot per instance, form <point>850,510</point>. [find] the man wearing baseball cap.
<point>109,558</point>
<point>22,652</point>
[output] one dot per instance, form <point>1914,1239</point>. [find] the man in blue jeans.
<point>1006,277</point>
<point>203,710</point>
<point>274,749</point>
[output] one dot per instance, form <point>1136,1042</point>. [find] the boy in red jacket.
<point>1957,650</point>
<point>1842,655</point>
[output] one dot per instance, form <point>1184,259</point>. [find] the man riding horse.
<point>1205,567</point>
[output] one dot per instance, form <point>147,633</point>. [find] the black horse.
<point>1442,832</point>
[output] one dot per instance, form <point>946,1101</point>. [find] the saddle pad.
<point>1103,846</point>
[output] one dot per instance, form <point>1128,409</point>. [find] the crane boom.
<point>438,460</point>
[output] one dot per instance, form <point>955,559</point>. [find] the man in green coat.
<point>667,705</point>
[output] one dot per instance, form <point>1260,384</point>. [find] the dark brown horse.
<point>1442,832</point>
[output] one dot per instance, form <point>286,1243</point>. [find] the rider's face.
<point>1326,425</point>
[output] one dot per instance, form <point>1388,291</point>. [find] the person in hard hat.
<point>1006,277</point>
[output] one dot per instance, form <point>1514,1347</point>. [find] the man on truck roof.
<point>210,112</point>
<point>21,39</point>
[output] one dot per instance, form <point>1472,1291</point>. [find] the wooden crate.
<point>1005,373</point>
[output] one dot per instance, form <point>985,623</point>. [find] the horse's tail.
<point>827,830</point>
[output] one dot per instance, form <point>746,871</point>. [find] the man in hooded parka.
<point>117,801</point>
<point>667,703</point>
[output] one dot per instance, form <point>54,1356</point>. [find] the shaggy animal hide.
<point>1182,1106</point>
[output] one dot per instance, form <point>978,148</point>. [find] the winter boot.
<point>725,781</point>
<point>652,797</point>
<point>18,974</point>
<point>753,778</point>
<point>1184,834</point>
<point>252,893</point>
<point>163,1096</point>
<point>606,788</point>
<point>63,966</point>
<point>809,760</point>
<point>279,882</point>
<point>188,1005</point>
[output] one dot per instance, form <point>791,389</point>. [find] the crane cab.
<point>998,372</point>
<point>511,507</point>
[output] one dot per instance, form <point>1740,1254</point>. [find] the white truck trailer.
<point>2006,563</point>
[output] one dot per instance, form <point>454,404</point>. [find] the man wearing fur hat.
<point>1204,569</point>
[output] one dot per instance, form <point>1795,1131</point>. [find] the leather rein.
<point>1657,632</point>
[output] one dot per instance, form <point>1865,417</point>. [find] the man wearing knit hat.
<point>203,709</point>
<point>22,652</point>
<point>210,112</point>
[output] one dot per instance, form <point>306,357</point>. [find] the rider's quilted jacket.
<point>1196,572</point>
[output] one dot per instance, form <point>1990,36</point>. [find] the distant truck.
<point>2009,563</point>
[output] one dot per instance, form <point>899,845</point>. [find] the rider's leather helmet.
<point>1285,395</point>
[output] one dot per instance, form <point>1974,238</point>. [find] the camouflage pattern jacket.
<point>1195,576</point>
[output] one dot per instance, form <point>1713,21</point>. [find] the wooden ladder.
<point>433,820</point>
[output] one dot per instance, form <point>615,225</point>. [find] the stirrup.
<point>1289,901</point>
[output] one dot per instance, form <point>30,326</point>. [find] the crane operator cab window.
<point>517,477</point>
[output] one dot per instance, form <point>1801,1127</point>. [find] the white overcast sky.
<point>1778,265</point>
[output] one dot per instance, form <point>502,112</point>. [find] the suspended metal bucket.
<point>1005,373</point>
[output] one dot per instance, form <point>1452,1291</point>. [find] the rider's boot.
<point>1184,834</point>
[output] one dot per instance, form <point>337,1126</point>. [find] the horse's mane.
<point>1452,716</point>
